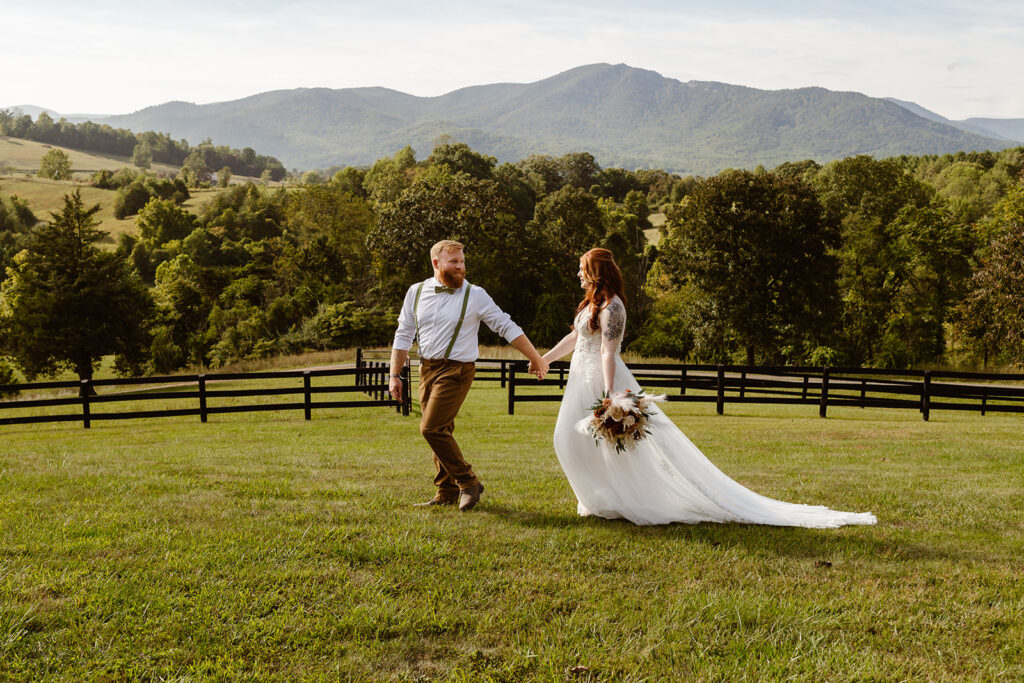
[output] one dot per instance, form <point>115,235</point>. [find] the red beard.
<point>453,280</point>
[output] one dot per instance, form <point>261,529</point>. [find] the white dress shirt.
<point>438,316</point>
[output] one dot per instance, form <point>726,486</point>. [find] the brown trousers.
<point>444,385</point>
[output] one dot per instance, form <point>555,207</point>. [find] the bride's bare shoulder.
<point>614,307</point>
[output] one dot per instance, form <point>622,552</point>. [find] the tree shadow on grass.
<point>879,542</point>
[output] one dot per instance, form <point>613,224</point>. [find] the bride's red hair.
<point>600,270</point>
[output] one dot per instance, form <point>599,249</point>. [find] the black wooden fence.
<point>203,396</point>
<point>922,390</point>
<point>200,394</point>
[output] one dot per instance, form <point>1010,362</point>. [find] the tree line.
<point>897,262</point>
<point>144,148</point>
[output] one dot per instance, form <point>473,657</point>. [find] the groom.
<point>444,314</point>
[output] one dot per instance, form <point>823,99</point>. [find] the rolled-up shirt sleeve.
<point>498,320</point>
<point>406,332</point>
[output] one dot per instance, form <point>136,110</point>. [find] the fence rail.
<point>922,390</point>
<point>196,391</point>
<point>824,387</point>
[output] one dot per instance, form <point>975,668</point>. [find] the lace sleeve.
<point>613,324</point>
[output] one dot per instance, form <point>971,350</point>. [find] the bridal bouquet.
<point>621,420</point>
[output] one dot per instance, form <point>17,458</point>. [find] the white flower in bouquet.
<point>620,420</point>
<point>624,402</point>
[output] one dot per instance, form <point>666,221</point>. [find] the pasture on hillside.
<point>265,546</point>
<point>23,157</point>
<point>45,196</point>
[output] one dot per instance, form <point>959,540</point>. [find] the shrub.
<point>346,325</point>
<point>131,198</point>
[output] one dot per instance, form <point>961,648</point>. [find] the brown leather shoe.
<point>470,497</point>
<point>436,500</point>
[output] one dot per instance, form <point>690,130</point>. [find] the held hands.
<point>539,367</point>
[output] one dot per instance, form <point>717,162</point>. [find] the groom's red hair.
<point>600,270</point>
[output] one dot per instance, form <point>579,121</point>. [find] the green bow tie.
<point>440,288</point>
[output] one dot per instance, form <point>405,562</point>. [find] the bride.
<point>665,478</point>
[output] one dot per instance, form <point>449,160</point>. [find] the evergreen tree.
<point>67,304</point>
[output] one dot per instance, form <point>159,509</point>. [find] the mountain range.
<point>624,116</point>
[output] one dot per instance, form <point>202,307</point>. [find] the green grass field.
<point>262,546</point>
<point>45,196</point>
<point>653,234</point>
<point>23,157</point>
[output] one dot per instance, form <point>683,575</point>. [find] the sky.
<point>958,58</point>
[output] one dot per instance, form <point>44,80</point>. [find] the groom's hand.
<point>539,368</point>
<point>395,387</point>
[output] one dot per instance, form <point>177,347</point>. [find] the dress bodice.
<point>589,341</point>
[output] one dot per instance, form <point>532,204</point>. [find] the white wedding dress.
<point>665,478</point>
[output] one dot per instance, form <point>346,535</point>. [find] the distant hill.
<point>624,116</point>
<point>1003,129</point>
<point>34,111</point>
<point>1011,129</point>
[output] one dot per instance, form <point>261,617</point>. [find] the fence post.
<point>406,390</point>
<point>503,363</point>
<point>803,394</point>
<point>307,398</point>
<point>743,383</point>
<point>863,391</point>
<point>823,406</point>
<point>387,393</point>
<point>359,364</point>
<point>721,389</point>
<point>984,400</point>
<point>400,405</point>
<point>86,390</point>
<point>407,396</point>
<point>926,386</point>
<point>202,398</point>
<point>561,377</point>
<point>682,382</point>
<point>511,389</point>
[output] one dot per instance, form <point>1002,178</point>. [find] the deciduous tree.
<point>992,312</point>
<point>55,164</point>
<point>755,245</point>
<point>459,158</point>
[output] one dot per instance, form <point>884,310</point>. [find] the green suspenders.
<point>416,309</point>
<point>458,326</point>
